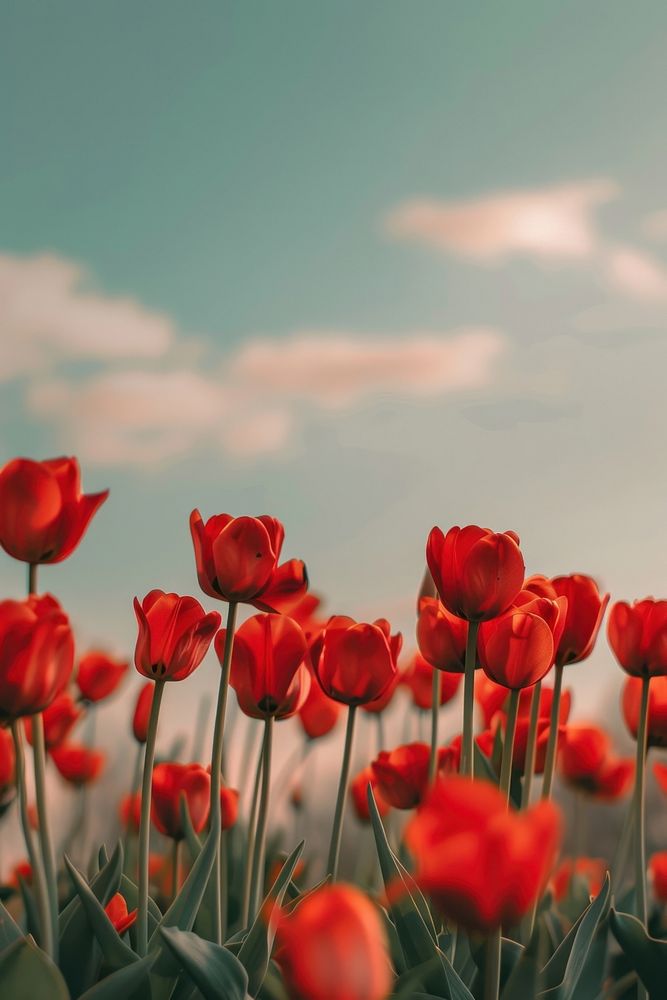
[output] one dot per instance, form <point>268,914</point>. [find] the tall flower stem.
<point>252,825</point>
<point>508,744</point>
<point>639,802</point>
<point>552,745</point>
<point>339,814</point>
<point>435,708</point>
<point>45,842</point>
<point>134,788</point>
<point>224,875</point>
<point>467,744</point>
<point>144,824</point>
<point>531,745</point>
<point>175,867</point>
<point>257,881</point>
<point>46,930</point>
<point>216,760</point>
<point>492,966</point>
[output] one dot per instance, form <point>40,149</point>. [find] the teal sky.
<point>240,168</point>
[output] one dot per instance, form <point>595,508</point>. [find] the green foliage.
<point>647,955</point>
<point>215,971</point>
<point>26,973</point>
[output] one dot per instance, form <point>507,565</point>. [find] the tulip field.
<point>468,893</point>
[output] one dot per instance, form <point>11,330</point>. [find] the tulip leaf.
<point>217,973</point>
<point>9,929</point>
<point>255,951</point>
<point>524,978</point>
<point>191,837</point>
<point>30,908</point>
<point>183,910</point>
<point>579,948</point>
<point>116,953</point>
<point>483,766</point>
<point>27,973</point>
<point>130,983</point>
<point>646,954</point>
<point>129,890</point>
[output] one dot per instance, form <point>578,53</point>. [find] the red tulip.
<point>657,709</point>
<point>585,611</point>
<point>478,573</point>
<point>237,561</point>
<point>99,675</point>
<point>142,712</point>
<point>333,946</point>
<point>170,782</point>
<point>130,811</point>
<point>490,697</point>
<point>43,514</point>
<point>441,636</point>
<point>539,586</point>
<point>517,649</point>
<point>36,655</point>
<point>482,865</point>
<point>358,661</point>
<point>359,795</point>
<point>546,700</point>
<point>402,774</point>
<point>116,911</point>
<point>660,772</point>
<point>638,636</point>
<point>174,635</point>
<point>418,678</point>
<point>657,867</point>
<point>591,870</point>
<point>268,671</point>
<point>21,872</point>
<point>588,764</point>
<point>78,764</point>
<point>319,714</point>
<point>58,719</point>
<point>541,741</point>
<point>379,704</point>
<point>449,757</point>
<point>229,807</point>
<point>7,761</point>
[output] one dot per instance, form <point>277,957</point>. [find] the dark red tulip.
<point>591,870</point>
<point>43,514</point>
<point>36,655</point>
<point>116,911</point>
<point>174,635</point>
<point>358,661</point>
<point>77,764</point>
<point>585,611</point>
<point>482,864</point>
<point>657,867</point>
<point>237,561</point>
<point>268,671</point>
<point>638,636</point>
<point>359,795</point>
<point>142,712</point>
<point>657,709</point>
<point>441,636</point>
<point>418,678</point>
<point>7,761</point>
<point>170,782</point>
<point>588,763</point>
<point>319,714</point>
<point>517,649</point>
<point>333,946</point>
<point>402,774</point>
<point>378,705</point>
<point>539,586</point>
<point>521,744</point>
<point>58,719</point>
<point>99,675</point>
<point>478,573</point>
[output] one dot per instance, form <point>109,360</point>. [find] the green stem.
<point>508,744</point>
<point>339,814</point>
<point>467,744</point>
<point>145,823</point>
<point>216,761</point>
<point>435,707</point>
<point>257,882</point>
<point>552,745</point>
<point>33,857</point>
<point>223,881</point>
<point>252,824</point>
<point>492,966</point>
<point>639,802</point>
<point>531,745</point>
<point>45,843</point>
<point>175,867</point>
<point>32,578</point>
<point>134,788</point>
<point>620,858</point>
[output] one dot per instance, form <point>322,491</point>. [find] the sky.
<point>365,267</point>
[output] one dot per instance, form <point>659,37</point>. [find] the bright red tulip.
<point>517,649</point>
<point>77,764</point>
<point>174,635</point>
<point>482,864</point>
<point>657,867</point>
<point>478,573</point>
<point>237,561</point>
<point>99,675</point>
<point>333,946</point>
<point>402,774</point>
<point>418,678</point>
<point>43,514</point>
<point>359,795</point>
<point>319,714</point>
<point>585,611</point>
<point>170,783</point>
<point>142,712</point>
<point>358,661</point>
<point>441,636</point>
<point>58,720</point>
<point>657,709</point>
<point>638,636</point>
<point>591,870</point>
<point>7,761</point>
<point>116,911</point>
<point>36,655</point>
<point>588,763</point>
<point>268,671</point>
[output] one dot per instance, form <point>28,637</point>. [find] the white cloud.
<point>637,273</point>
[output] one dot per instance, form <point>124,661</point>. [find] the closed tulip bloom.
<point>478,573</point>
<point>359,795</point>
<point>657,709</point>
<point>638,636</point>
<point>174,635</point>
<point>116,911</point>
<point>657,868</point>
<point>237,561</point>
<point>36,655</point>
<point>585,611</point>
<point>358,661</point>
<point>58,720</point>
<point>379,704</point>
<point>418,678</point>
<point>587,763</point>
<point>78,764</point>
<point>333,946</point>
<point>517,649</point>
<point>482,864</point>
<point>319,713</point>
<point>142,712</point>
<point>7,761</point>
<point>402,774</point>
<point>590,870</point>
<point>43,514</point>
<point>170,783</point>
<point>268,671</point>
<point>99,675</point>
<point>441,636</point>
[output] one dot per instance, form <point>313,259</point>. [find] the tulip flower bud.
<point>170,783</point>
<point>58,720</point>
<point>358,661</point>
<point>268,671</point>
<point>585,611</point>
<point>402,774</point>
<point>657,709</point>
<point>99,675</point>
<point>638,637</point>
<point>174,635</point>
<point>142,712</point>
<point>78,764</point>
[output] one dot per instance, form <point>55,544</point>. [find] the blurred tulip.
<point>638,636</point>
<point>521,744</point>
<point>333,946</point>
<point>99,675</point>
<point>585,611</point>
<point>545,704</point>
<point>7,761</point>
<point>358,661</point>
<point>588,764</point>
<point>130,811</point>
<point>441,636</point>
<point>116,911</point>
<point>449,757</point>
<point>268,671</point>
<point>229,807</point>
<point>591,870</point>
<point>43,514</point>
<point>490,697</point>
<point>657,867</point>
<point>58,719</point>
<point>418,679</point>
<point>660,772</point>
<point>142,712</point>
<point>237,561</point>
<point>359,795</point>
<point>170,782</point>
<point>77,764</point>
<point>402,774</point>
<point>319,713</point>
<point>482,865</point>
<point>174,635</point>
<point>657,709</point>
<point>21,872</point>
